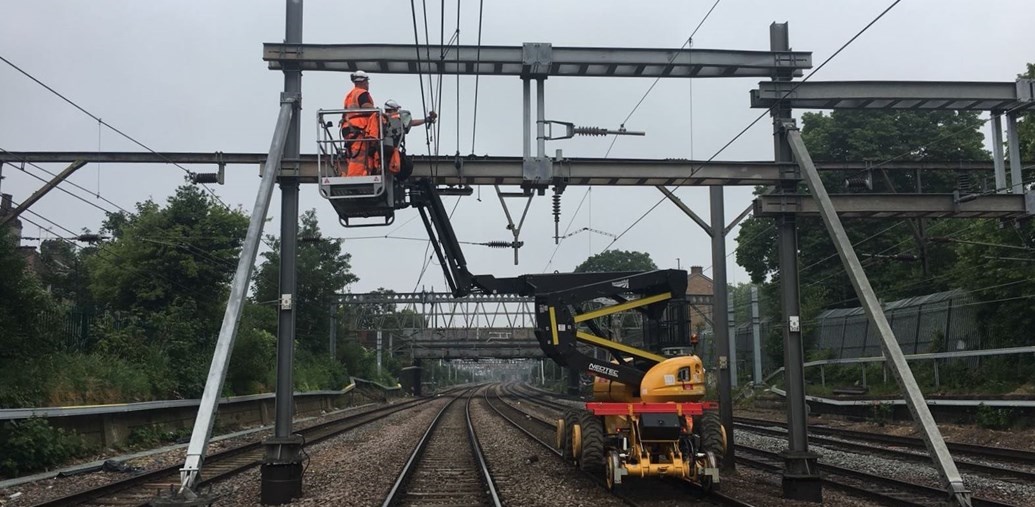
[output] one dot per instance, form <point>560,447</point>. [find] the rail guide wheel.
<point>565,429</point>
<point>615,471</point>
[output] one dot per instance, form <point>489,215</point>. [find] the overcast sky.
<point>189,76</point>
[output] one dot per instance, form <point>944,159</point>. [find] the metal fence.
<point>940,322</point>
<point>74,329</point>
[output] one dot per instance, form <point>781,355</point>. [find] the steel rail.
<point>999,453</point>
<point>250,452</point>
<point>897,492</point>
<point>994,470</point>
<point>713,495</point>
<point>398,492</point>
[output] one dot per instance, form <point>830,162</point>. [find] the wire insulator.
<point>590,131</point>
<point>556,216</point>
<point>497,244</point>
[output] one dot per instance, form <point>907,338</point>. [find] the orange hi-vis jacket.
<point>363,156</point>
<point>363,121</point>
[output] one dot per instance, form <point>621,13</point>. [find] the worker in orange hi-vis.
<point>361,131</point>
<point>397,125</point>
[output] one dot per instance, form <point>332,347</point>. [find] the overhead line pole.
<point>932,437</point>
<point>282,464</point>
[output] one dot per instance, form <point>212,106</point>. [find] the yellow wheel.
<point>565,447</point>
<point>576,442</point>
<point>559,438</point>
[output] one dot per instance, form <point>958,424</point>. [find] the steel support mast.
<point>932,437</point>
<point>282,464</point>
<point>801,480</point>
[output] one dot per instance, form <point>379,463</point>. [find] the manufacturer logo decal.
<point>603,370</point>
<point>621,284</point>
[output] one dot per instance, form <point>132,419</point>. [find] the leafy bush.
<point>882,412</point>
<point>88,379</point>
<point>32,444</point>
<point>148,437</point>
<point>252,367</point>
<point>994,418</point>
<point>314,372</point>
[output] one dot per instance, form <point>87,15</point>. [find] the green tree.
<point>323,270</point>
<point>169,268</point>
<point>877,136</point>
<point>22,338</point>
<point>159,256</point>
<point>617,260</point>
<point>1026,125</point>
<point>855,136</point>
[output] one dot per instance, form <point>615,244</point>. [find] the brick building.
<point>699,296</point>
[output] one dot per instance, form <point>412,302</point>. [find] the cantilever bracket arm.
<point>743,214</point>
<point>686,209</point>
<point>37,195</point>
<point>933,440</point>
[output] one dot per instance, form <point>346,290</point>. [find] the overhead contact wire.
<point>756,120</point>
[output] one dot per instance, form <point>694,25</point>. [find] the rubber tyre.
<point>592,458</point>
<point>713,440</point>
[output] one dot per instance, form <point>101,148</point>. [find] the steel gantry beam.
<point>425,163</point>
<point>525,60</point>
<point>907,95</point>
<point>487,170</point>
<point>902,205</point>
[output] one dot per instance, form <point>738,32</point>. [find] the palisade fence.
<point>939,322</point>
<point>74,328</point>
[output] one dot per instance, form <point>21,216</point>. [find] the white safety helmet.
<point>359,76</point>
<point>391,105</point>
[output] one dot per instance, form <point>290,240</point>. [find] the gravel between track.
<point>47,489</point>
<point>533,476</point>
<point>356,468</point>
<point>1010,492</point>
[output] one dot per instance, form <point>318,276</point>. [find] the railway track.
<point>543,432</point>
<point>994,453</point>
<point>443,471</point>
<point>884,490</point>
<point>994,471</point>
<point>141,489</point>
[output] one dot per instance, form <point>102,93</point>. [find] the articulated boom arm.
<point>659,296</point>
<point>425,198</point>
<point>560,297</point>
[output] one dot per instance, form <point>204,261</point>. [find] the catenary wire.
<point>675,54</point>
<point>97,194</point>
<point>477,75</point>
<point>756,120</point>
<point>106,124</point>
<point>420,71</point>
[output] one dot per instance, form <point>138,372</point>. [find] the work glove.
<point>432,116</point>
